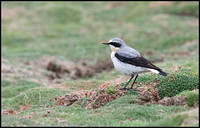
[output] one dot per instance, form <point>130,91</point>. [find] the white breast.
<point>125,68</point>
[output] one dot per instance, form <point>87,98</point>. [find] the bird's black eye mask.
<point>115,44</point>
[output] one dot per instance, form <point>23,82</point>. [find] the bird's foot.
<point>124,88</point>
<point>128,88</point>
<point>132,88</point>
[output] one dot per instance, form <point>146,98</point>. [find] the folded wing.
<point>139,61</point>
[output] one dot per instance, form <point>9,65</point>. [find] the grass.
<point>21,86</point>
<point>120,108</point>
<point>35,96</point>
<point>170,121</point>
<point>67,32</point>
<point>74,31</point>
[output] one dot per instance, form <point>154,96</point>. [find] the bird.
<point>129,62</point>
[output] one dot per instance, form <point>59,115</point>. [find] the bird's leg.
<point>133,82</point>
<point>124,88</point>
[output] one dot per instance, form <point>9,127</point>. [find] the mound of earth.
<point>96,99</point>
<point>91,100</point>
<point>150,95</point>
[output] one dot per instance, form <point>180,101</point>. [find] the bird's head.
<point>115,44</point>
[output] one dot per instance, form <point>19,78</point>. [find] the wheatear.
<point>128,61</point>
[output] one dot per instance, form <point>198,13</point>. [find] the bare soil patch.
<point>25,107</point>
<point>159,4</point>
<point>9,13</point>
<point>71,69</point>
<point>78,70</point>
<point>113,5</point>
<point>49,70</point>
<point>193,23</point>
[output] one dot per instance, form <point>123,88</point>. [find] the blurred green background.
<point>75,30</point>
<point>166,33</point>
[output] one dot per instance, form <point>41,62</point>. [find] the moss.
<point>176,83</point>
<point>192,99</point>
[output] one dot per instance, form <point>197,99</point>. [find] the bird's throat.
<point>114,49</point>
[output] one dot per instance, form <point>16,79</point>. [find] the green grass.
<point>10,91</point>
<point>120,108</point>
<point>35,96</point>
<point>15,121</point>
<point>187,8</point>
<point>5,83</point>
<point>74,31</point>
<point>169,121</point>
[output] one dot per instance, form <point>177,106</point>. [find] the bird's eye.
<point>115,44</point>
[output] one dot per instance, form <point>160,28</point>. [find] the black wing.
<point>137,61</point>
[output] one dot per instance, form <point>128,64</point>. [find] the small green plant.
<point>192,99</point>
<point>110,90</point>
<point>176,83</point>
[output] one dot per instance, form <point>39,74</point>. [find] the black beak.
<point>106,43</point>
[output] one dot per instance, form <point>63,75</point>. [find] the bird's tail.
<point>162,73</point>
<point>158,72</point>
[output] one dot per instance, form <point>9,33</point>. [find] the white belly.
<point>125,68</point>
